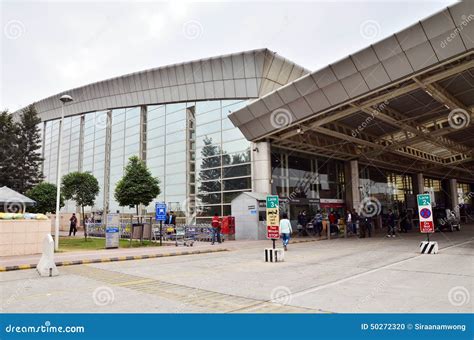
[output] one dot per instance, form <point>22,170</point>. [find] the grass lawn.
<point>94,243</point>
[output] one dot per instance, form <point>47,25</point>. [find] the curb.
<point>113,259</point>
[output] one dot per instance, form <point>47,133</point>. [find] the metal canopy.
<point>405,103</point>
<point>8,195</point>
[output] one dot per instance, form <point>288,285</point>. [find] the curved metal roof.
<point>241,75</point>
<point>427,43</point>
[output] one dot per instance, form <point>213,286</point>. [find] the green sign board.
<point>423,199</point>
<point>272,202</point>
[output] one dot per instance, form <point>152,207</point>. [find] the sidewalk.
<point>8,263</point>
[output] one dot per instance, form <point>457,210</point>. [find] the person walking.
<point>390,223</point>
<point>318,223</point>
<point>216,228</point>
<point>349,222</point>
<point>285,230</point>
<point>365,226</point>
<point>73,225</point>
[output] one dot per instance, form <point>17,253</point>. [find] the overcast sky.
<point>49,47</point>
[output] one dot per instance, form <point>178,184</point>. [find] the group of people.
<point>352,219</point>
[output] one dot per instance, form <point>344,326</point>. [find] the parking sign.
<point>425,213</point>
<point>273,217</point>
<point>160,211</point>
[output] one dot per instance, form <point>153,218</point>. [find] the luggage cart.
<point>182,238</point>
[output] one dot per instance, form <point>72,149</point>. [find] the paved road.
<point>342,275</point>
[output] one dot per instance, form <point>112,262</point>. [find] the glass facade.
<point>192,147</point>
<point>393,190</point>
<point>306,182</point>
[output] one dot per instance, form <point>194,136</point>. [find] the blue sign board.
<point>160,211</point>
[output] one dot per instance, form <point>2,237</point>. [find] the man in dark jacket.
<point>390,224</point>
<point>73,225</point>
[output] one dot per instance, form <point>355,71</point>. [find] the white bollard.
<point>46,265</point>
<point>430,247</point>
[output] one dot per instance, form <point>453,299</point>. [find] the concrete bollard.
<point>274,255</point>
<point>429,247</point>
<point>46,265</point>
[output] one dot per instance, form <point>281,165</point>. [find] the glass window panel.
<point>155,162</point>
<point>208,117</point>
<point>208,128</point>
<point>237,184</point>
<point>233,134</point>
<point>229,196</point>
<point>231,147</point>
<point>172,127</point>
<point>207,139</point>
<point>175,137</point>
<point>176,157</point>
<point>236,158</point>
<point>175,189</point>
<point>176,116</point>
<point>210,174</point>
<point>170,108</point>
<point>156,123</point>
<point>155,142</point>
<point>210,162</point>
<point>226,210</point>
<point>236,171</point>
<point>175,147</point>
<point>156,152</point>
<point>176,178</point>
<point>227,124</point>
<point>206,106</point>
<point>214,198</point>
<point>209,186</point>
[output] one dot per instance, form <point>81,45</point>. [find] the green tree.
<point>81,187</point>
<point>137,186</point>
<point>8,150</point>
<point>45,196</point>
<point>28,157</point>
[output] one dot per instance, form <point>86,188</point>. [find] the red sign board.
<point>273,231</point>
<point>427,227</point>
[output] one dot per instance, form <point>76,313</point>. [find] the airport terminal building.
<point>371,130</point>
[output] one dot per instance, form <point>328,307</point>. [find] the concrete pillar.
<point>418,184</point>
<point>351,174</point>
<point>453,196</point>
<point>262,167</point>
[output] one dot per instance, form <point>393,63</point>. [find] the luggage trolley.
<point>182,237</point>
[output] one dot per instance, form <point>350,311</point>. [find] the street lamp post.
<point>64,99</point>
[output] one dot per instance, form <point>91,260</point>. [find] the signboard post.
<point>273,218</point>
<point>425,214</point>
<point>160,215</point>
<point>112,231</point>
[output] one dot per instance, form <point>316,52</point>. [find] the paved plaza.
<point>378,275</point>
